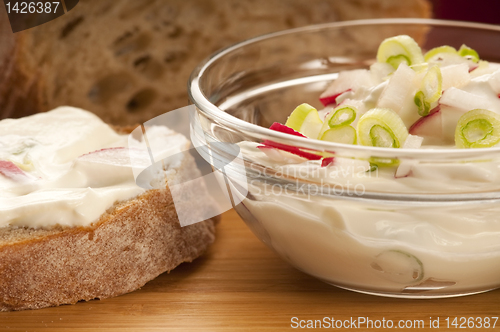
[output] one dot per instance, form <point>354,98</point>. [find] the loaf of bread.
<point>128,61</point>
<point>47,263</point>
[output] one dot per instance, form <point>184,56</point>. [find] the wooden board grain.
<point>240,285</point>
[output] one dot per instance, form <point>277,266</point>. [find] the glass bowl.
<point>433,233</point>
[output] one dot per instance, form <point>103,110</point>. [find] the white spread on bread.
<point>47,177</point>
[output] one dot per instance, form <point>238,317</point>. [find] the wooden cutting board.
<point>241,285</point>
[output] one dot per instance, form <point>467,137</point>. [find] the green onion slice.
<point>431,90</point>
<point>383,128</point>
<point>341,116</point>
<point>373,168</point>
<point>435,52</point>
<point>340,134</point>
<point>419,67</point>
<point>396,60</point>
<point>384,162</point>
<point>468,52</point>
<point>478,128</point>
<point>423,106</point>
<point>305,119</point>
<point>400,49</point>
<point>463,51</point>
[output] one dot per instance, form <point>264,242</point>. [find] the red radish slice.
<point>292,149</point>
<point>405,169</point>
<point>272,153</point>
<point>327,161</point>
<point>13,172</point>
<point>280,155</point>
<point>329,100</point>
<point>428,126</point>
<point>347,80</point>
<point>110,156</point>
<point>284,129</point>
<point>344,96</point>
<point>119,156</point>
<point>449,120</point>
<point>110,166</point>
<point>472,68</point>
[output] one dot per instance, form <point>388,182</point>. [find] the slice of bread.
<point>129,61</point>
<point>133,242</point>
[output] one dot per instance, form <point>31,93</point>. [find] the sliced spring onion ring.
<point>400,49</point>
<point>399,266</point>
<point>431,90</point>
<point>435,52</point>
<point>423,107</point>
<point>383,128</point>
<point>396,60</point>
<point>373,168</point>
<point>478,128</point>
<point>341,116</point>
<point>432,84</point>
<point>384,162</point>
<point>468,52</point>
<point>305,119</point>
<point>340,134</point>
<point>419,67</point>
<point>463,51</point>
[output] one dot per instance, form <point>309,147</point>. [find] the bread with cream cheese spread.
<point>130,244</point>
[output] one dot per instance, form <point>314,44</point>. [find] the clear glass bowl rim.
<point>210,110</point>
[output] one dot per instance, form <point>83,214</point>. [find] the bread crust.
<point>131,244</point>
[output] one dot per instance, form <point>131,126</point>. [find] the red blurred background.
<point>485,11</point>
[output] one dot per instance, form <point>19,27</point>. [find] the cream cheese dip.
<point>65,167</point>
<point>407,247</point>
<point>397,226</point>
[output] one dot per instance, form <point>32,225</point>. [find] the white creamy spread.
<point>66,167</point>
